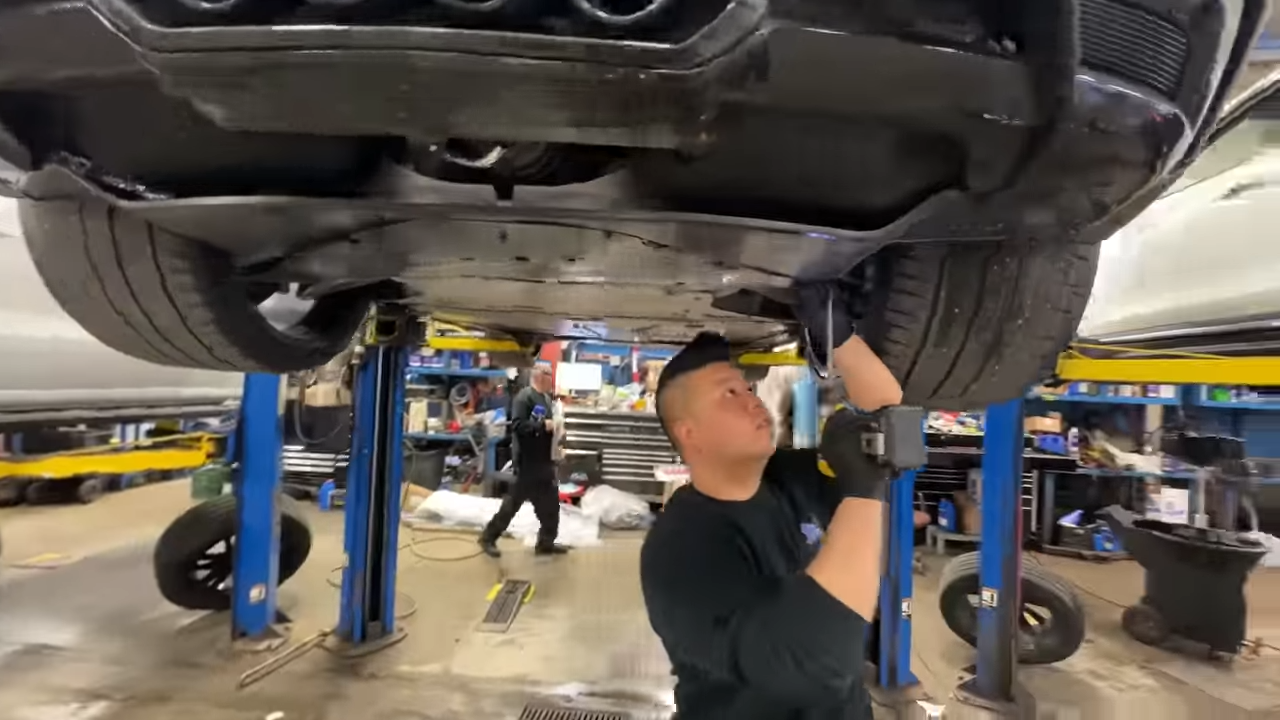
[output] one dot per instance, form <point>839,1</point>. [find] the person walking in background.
<point>533,435</point>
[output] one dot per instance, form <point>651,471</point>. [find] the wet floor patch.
<point>94,710</point>
<point>1252,685</point>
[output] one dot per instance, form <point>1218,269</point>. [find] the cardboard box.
<point>969,514</point>
<point>1050,424</point>
<point>415,416</point>
<point>327,394</point>
<point>652,370</point>
<point>1175,505</point>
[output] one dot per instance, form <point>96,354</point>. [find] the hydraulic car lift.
<point>994,685</point>
<point>367,614</point>
<point>256,445</point>
<point>366,619</point>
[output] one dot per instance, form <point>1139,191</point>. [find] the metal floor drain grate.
<point>550,712</point>
<point>506,603</point>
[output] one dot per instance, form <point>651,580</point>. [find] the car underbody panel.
<point>731,120</point>
<point>541,170</point>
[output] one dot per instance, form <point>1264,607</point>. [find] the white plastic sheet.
<point>616,509</point>
<point>577,529</point>
<point>1272,543</point>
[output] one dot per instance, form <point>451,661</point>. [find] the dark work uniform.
<point>749,634</point>
<point>535,469</point>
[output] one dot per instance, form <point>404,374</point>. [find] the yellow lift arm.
<point>177,452</point>
<point>467,343</point>
<point>1158,368</point>
<point>1166,368</point>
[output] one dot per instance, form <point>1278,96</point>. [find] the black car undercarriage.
<point>663,166</point>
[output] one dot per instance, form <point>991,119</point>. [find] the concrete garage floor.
<point>90,639</point>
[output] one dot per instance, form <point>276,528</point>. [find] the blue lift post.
<point>1000,563</point>
<point>367,615</point>
<point>257,442</point>
<point>896,586</point>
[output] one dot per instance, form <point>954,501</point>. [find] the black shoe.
<point>488,547</point>
<point>552,549</point>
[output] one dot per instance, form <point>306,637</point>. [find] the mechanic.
<point>760,578</point>
<point>533,434</point>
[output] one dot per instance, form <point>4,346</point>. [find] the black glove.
<point>811,311</point>
<point>857,474</point>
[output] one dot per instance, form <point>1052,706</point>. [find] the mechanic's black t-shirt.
<point>749,634</point>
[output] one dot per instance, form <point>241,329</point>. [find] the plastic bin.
<point>425,468</point>
<point>1194,581</point>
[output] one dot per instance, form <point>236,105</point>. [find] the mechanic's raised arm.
<point>867,380</point>
<point>848,565</point>
<point>868,384</point>
<point>523,423</point>
<point>789,638</point>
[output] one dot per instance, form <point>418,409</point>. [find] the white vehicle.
<point>53,370</point>
<point>1199,268</point>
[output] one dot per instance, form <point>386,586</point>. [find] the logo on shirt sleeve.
<point>812,531</point>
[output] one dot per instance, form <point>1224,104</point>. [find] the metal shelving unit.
<point>1200,397</point>
<point>425,371</point>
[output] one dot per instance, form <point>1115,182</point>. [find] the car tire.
<point>172,300</point>
<point>187,540</point>
<point>965,325</point>
<point>1040,588</point>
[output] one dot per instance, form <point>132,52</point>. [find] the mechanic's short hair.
<point>707,348</point>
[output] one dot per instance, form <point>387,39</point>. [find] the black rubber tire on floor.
<point>1040,587</point>
<point>203,526</point>
<point>44,492</point>
<point>171,300</point>
<point>13,492</point>
<point>965,325</point>
<point>1145,624</point>
<point>90,489</point>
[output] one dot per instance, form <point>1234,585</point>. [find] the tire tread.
<point>168,299</point>
<point>965,325</point>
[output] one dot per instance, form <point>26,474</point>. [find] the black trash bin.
<point>425,468</point>
<point>1194,581</point>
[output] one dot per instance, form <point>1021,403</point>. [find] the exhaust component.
<point>480,7</point>
<point>467,154</point>
<point>597,11</point>
<point>203,12</point>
